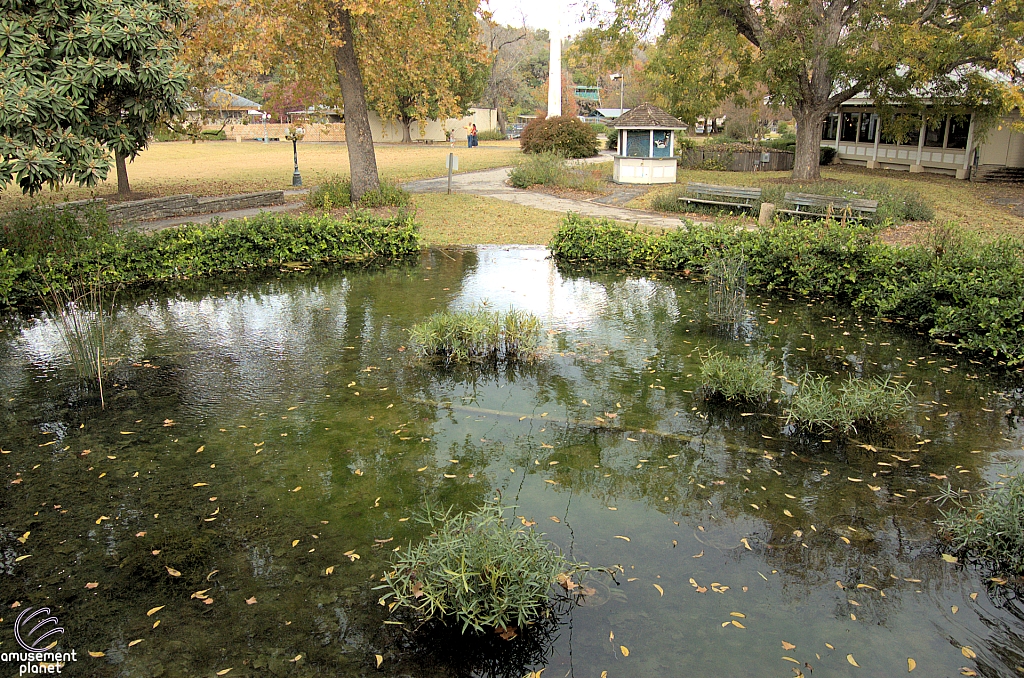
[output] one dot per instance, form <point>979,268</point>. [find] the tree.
<point>426,60</point>
<point>813,55</point>
<point>81,79</point>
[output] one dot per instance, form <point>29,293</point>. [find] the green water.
<point>316,426</point>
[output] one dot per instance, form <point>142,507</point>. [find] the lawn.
<point>472,220</point>
<point>227,167</point>
<point>968,204</point>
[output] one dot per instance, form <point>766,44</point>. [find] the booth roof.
<point>646,116</point>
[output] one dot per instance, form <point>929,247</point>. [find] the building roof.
<point>610,112</point>
<point>225,100</point>
<point>646,116</point>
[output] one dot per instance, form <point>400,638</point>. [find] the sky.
<point>540,13</point>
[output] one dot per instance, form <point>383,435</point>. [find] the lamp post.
<point>614,77</point>
<point>293,136</point>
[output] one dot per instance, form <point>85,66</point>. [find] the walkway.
<point>492,184</point>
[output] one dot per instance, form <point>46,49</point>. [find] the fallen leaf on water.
<point>855,480</point>
<point>847,541</point>
<point>555,519</point>
<point>699,555</point>
<point>250,601</point>
<point>201,448</point>
<point>135,642</point>
<point>790,659</point>
<point>171,571</point>
<point>295,542</point>
<point>224,671</point>
<point>625,650</point>
<point>874,488</point>
<point>155,610</point>
<point>937,476</point>
<point>737,624</point>
<point>380,660</point>
<point>527,523</point>
<point>948,558</point>
<point>92,585</point>
<point>852,661</point>
<point>746,544</point>
<point>786,511</point>
<point>967,672</point>
<point>974,596</point>
<point>968,652</point>
<point>550,482</point>
<point>297,658</point>
<point>661,591</point>
<point>329,570</point>
<point>911,665</point>
<point>156,623</point>
<point>955,609</point>
<point>421,469</point>
<point>619,536</point>
<point>200,484</point>
<point>738,614</point>
<point>788,646</point>
<point>352,555</point>
<point>297,488</point>
<point>97,654</point>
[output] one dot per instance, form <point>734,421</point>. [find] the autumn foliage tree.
<point>82,78</point>
<point>813,55</point>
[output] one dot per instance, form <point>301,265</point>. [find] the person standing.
<point>472,135</point>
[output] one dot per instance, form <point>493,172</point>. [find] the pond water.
<point>260,432</point>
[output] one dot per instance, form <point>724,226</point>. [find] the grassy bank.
<point>227,167</point>
<point>46,248</point>
<point>968,204</point>
<point>965,292</point>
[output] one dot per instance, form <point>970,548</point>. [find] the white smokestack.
<point>555,64</point>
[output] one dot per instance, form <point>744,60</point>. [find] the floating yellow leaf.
<point>738,614</point>
<point>421,469</point>
<point>380,660</point>
<point>329,570</point>
<point>200,484</point>
<point>790,659</point>
<point>948,558</point>
<point>250,601</point>
<point>155,610</point>
<point>135,642</point>
<point>619,536</point>
<point>661,591</point>
<point>786,511</point>
<point>97,654</point>
<point>625,650</point>
<point>555,519</point>
<point>852,661</point>
<point>955,609</point>
<point>911,665</point>
<point>171,571</point>
<point>156,623</point>
<point>746,544</point>
<point>968,652</point>
<point>845,540</point>
<point>737,624</point>
<point>92,585</point>
<point>788,646</point>
<point>224,671</point>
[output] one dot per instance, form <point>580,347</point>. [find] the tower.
<point>555,64</point>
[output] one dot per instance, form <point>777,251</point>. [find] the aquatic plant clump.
<point>477,570</point>
<point>747,379</point>
<point>860,405</point>
<point>478,335</point>
<point>987,525</point>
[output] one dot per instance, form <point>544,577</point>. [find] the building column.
<point>917,167</point>
<point>839,128</point>
<point>965,172</point>
<point>873,163</point>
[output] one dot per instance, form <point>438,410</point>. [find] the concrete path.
<point>492,184</point>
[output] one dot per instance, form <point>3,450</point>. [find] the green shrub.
<point>478,335</point>
<point>826,155</point>
<point>476,570</point>
<point>965,293</point>
<point>988,525</point>
<point>47,231</point>
<point>749,379</point>
<point>861,405</point>
<point>336,192</point>
<point>566,135</point>
<point>786,142</point>
<point>551,169</point>
<point>188,251</point>
<point>490,135</point>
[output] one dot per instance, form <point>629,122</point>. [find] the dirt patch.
<point>904,235</point>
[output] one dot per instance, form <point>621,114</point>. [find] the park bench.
<point>811,206</point>
<point>742,197</point>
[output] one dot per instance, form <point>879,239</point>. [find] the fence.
<point>739,161</point>
<point>331,131</point>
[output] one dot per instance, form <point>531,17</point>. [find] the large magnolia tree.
<point>81,79</point>
<point>813,55</point>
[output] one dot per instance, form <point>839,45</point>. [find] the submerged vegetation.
<point>749,379</point>
<point>858,406</point>
<point>478,335</point>
<point>965,293</point>
<point>478,571</point>
<point>35,244</point>
<point>988,525</point>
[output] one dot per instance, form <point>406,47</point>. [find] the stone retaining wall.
<point>178,205</point>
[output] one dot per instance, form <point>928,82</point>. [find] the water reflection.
<point>260,430</point>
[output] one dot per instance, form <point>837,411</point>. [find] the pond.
<point>266,441</point>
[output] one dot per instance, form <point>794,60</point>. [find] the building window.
<point>868,126</point>
<point>958,128</point>
<point>662,144</point>
<point>935,134</point>
<point>851,121</point>
<point>829,127</point>
<point>638,143</point>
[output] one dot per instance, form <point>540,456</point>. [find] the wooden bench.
<point>811,206</point>
<point>742,197</point>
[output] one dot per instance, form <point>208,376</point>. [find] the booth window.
<point>638,143</point>
<point>662,144</point>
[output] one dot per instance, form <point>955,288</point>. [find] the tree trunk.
<point>123,189</point>
<point>502,120</point>
<point>807,161</point>
<point>361,159</point>
<point>406,133</point>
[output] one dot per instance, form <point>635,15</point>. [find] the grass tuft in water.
<point>987,525</point>
<point>859,406</point>
<point>477,570</point>
<point>478,335</point>
<point>747,379</point>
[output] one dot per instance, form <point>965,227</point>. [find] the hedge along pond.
<point>267,438</point>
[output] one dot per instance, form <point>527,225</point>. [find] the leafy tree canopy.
<point>80,78</point>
